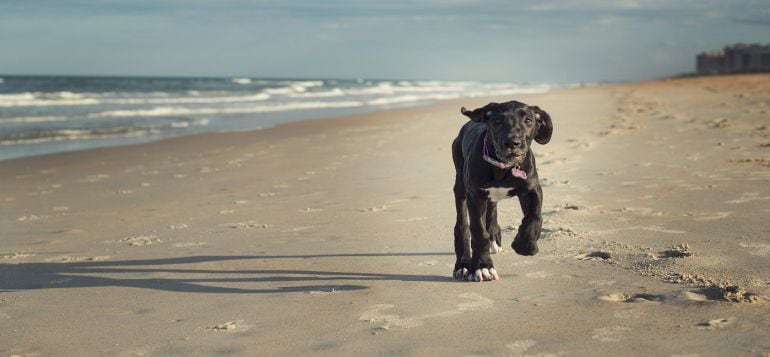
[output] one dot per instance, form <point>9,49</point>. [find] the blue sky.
<point>494,40</point>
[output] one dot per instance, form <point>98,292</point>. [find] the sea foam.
<point>90,109</point>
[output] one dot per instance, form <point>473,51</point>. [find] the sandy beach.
<point>334,236</point>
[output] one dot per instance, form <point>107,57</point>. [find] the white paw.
<point>461,274</point>
<point>493,274</point>
<point>484,274</point>
<point>494,248</point>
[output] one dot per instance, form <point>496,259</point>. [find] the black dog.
<point>493,161</point>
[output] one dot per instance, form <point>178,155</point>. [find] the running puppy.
<point>493,161</point>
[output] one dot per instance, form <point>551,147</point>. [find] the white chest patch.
<point>498,193</point>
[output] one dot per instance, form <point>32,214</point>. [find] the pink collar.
<point>515,169</point>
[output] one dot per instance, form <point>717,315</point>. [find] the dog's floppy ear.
<point>544,126</point>
<point>477,115</point>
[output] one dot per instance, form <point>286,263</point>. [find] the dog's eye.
<point>528,121</point>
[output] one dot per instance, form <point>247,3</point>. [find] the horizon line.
<point>290,78</point>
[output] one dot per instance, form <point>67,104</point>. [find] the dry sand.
<point>334,237</point>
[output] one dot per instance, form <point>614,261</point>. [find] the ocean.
<point>50,114</point>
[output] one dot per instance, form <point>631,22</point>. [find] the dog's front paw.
<point>484,274</point>
<point>523,247</point>
<point>461,273</point>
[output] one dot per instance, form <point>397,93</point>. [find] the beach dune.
<point>334,236</point>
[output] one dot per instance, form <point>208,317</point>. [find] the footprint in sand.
<point>559,232</point>
<point>756,161</point>
<point>520,346</point>
<point>677,251</point>
<point>31,218</point>
<point>374,314</point>
<point>731,293</point>
<point>632,298</point>
<point>246,225</point>
<point>758,249</point>
<point>598,255</point>
<point>141,240</point>
<point>572,206</point>
<point>15,256</point>
<point>94,178</point>
<point>716,323</point>
<point>374,209</point>
<point>609,334</point>
<point>580,143</point>
<point>227,326</point>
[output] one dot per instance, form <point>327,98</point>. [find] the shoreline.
<point>73,113</point>
<point>334,236</point>
<point>345,117</point>
<point>365,113</point>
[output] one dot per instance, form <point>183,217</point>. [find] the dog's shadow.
<point>31,276</point>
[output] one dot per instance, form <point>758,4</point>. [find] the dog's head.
<point>512,126</point>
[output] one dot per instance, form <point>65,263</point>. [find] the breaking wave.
<point>81,109</point>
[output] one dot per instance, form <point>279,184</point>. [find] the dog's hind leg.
<point>493,228</point>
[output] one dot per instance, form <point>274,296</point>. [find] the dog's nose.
<point>513,143</point>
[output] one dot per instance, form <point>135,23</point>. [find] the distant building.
<point>738,58</point>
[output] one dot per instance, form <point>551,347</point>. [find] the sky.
<point>486,40</point>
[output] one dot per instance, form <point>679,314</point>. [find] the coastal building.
<point>738,58</point>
